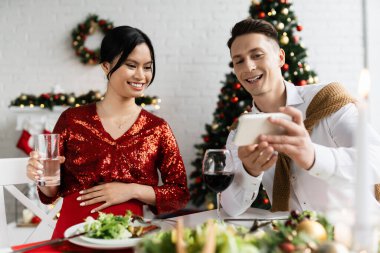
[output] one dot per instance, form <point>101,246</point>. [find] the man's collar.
<point>292,97</point>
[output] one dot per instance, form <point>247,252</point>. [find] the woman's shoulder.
<point>150,117</point>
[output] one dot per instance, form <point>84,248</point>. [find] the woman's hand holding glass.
<point>35,169</point>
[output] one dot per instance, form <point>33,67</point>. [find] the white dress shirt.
<point>329,183</point>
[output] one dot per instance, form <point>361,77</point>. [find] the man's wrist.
<point>251,172</point>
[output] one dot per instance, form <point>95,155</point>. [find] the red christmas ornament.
<point>45,96</point>
<point>234,99</point>
<point>287,247</point>
<point>261,15</point>
<point>198,180</point>
<point>221,115</point>
<point>206,138</point>
<point>296,39</point>
<point>35,219</point>
<point>56,97</point>
<point>285,67</point>
<point>299,28</point>
<point>102,22</point>
<point>237,86</point>
<point>302,83</point>
<point>266,201</point>
<point>283,1</point>
<point>300,65</point>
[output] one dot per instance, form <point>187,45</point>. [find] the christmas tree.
<point>234,100</point>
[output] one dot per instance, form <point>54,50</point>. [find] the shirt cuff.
<point>324,164</point>
<point>247,181</point>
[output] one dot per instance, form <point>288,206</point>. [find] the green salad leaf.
<point>109,226</point>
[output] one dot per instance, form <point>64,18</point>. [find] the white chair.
<point>13,172</point>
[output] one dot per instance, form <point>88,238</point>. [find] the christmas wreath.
<point>80,34</point>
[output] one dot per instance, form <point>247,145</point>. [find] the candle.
<point>363,229</point>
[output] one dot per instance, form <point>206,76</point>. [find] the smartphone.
<point>252,125</point>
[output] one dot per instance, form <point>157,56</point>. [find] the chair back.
<point>13,172</point>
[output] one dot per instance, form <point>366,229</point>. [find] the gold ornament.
<point>280,26</point>
<point>210,206</point>
<point>313,229</point>
<point>23,97</point>
<point>307,67</point>
<point>284,40</point>
<point>98,95</point>
<point>291,54</point>
<point>285,11</point>
<point>93,27</point>
<point>71,100</point>
<point>310,80</point>
<point>214,126</point>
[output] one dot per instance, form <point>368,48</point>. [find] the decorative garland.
<point>48,100</point>
<point>79,36</point>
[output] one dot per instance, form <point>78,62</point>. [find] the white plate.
<point>107,244</point>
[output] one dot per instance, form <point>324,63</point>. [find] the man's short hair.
<point>251,25</point>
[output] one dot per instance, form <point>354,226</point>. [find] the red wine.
<point>218,181</point>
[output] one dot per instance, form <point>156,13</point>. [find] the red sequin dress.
<point>94,157</point>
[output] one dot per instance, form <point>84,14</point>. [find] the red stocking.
<point>23,142</point>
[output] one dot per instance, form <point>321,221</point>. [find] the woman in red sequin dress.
<point>112,150</point>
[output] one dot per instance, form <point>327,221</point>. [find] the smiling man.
<point>312,166</point>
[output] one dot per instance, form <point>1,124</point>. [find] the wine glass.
<point>218,172</point>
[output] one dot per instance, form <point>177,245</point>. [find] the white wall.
<point>189,38</point>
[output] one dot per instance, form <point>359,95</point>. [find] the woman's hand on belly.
<point>115,193</point>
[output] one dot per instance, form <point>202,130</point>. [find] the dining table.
<point>190,220</point>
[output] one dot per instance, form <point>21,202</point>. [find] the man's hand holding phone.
<point>283,132</point>
<point>296,143</point>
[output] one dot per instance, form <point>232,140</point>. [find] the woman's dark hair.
<point>251,25</point>
<point>120,41</point>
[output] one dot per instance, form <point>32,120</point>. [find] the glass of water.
<point>47,146</point>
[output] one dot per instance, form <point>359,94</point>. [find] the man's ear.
<point>106,66</point>
<point>281,54</point>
